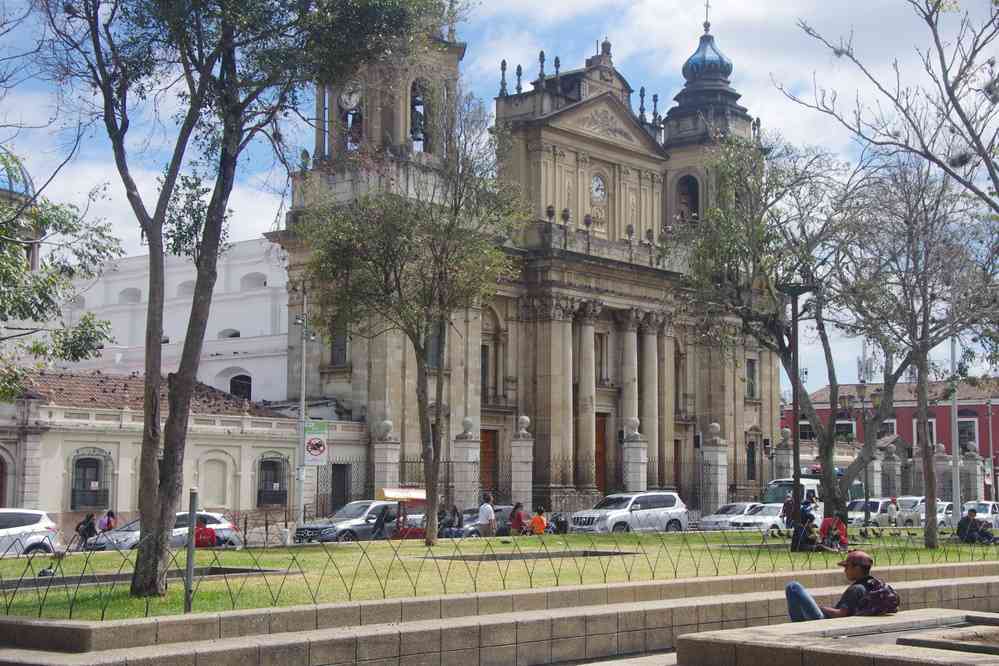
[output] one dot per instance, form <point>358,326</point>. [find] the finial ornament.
<point>707,16</point>
<point>520,74</point>
<point>558,65</point>
<point>502,92</point>
<point>541,66</point>
<point>655,106</point>
<point>641,104</point>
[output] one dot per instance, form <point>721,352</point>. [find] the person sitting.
<point>832,532</point>
<point>972,530</point>
<point>865,595</point>
<point>107,522</point>
<point>204,536</point>
<point>538,523</point>
<point>452,524</point>
<point>805,538</point>
<point>518,521</point>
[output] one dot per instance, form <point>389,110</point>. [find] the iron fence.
<point>263,571</point>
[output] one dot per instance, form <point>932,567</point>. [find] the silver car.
<point>722,518</point>
<point>126,537</point>
<point>28,531</point>
<point>761,517</point>
<point>633,512</point>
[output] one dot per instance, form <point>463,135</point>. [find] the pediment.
<point>606,118</point>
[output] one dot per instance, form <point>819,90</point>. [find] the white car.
<point>761,517</point>
<point>987,511</point>
<point>945,514</point>
<point>633,512</point>
<point>126,537</point>
<point>878,512</point>
<point>28,531</point>
<point>909,509</point>
<point>721,519</point>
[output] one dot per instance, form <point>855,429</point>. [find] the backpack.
<point>879,599</point>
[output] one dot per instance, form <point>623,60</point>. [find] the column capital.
<point>628,319</point>
<point>589,311</point>
<point>654,323</point>
<point>547,307</point>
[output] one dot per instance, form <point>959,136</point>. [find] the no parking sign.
<point>316,443</point>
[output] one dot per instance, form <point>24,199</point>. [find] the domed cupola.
<point>15,181</point>
<point>708,60</point>
<point>708,104</point>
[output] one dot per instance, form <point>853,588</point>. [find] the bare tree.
<point>948,114</point>
<point>915,264</point>
<point>409,258</point>
<point>235,71</point>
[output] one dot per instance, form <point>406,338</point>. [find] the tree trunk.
<point>149,576</point>
<point>432,470</point>
<point>930,538</point>
<point>426,441</point>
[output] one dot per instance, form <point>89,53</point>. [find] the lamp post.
<point>587,222</point>
<point>630,231</point>
<point>955,446</point>
<point>650,241</point>
<point>303,321</point>
<point>794,290</point>
<point>566,217</point>
<point>992,455</point>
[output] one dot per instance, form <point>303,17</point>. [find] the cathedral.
<point>584,342</point>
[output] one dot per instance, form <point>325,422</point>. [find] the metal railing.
<point>50,578</point>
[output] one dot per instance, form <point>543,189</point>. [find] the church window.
<point>751,460</point>
<point>338,346</point>
<point>419,117</point>
<point>241,386</point>
<point>751,384</point>
<point>351,116</point>
<point>434,345</point>
<point>600,352</point>
<point>688,199</point>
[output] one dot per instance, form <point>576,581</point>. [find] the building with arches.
<point>71,444</point>
<point>245,349</point>
<point>586,338</point>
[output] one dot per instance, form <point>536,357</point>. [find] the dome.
<point>15,181</point>
<point>708,60</point>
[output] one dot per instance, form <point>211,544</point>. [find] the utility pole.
<point>955,458</point>
<point>992,454</point>
<point>303,322</point>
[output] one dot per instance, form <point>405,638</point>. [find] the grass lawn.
<point>374,570</point>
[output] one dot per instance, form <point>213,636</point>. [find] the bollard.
<point>192,515</point>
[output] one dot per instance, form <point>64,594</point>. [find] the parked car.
<point>633,512</point>
<point>470,520</point>
<point>945,515</point>
<point>987,511</point>
<point>720,519</point>
<point>355,521</point>
<point>878,510</point>
<point>126,537</point>
<point>909,509</point>
<point>761,517</point>
<point>28,531</point>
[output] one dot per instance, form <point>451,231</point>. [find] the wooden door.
<point>340,486</point>
<point>600,459</point>
<point>488,461</point>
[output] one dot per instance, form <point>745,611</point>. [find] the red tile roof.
<point>981,390</point>
<point>102,391</point>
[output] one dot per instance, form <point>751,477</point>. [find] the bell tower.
<point>388,107</point>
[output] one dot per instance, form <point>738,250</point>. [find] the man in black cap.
<point>801,606</point>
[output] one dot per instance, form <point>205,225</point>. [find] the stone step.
<point>556,635</point>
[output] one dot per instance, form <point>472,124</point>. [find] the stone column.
<point>891,473</point>
<point>553,315</point>
<point>714,471</point>
<point>941,462</point>
<point>385,456</point>
<point>522,465</point>
<point>873,473</point>
<point>634,457</point>
<point>628,321</point>
<point>586,423</point>
<point>651,326</point>
<point>972,477</point>
<point>465,465</point>
<point>784,456</point>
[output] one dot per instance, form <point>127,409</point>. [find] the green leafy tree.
<point>412,256</point>
<point>236,70</point>
<point>65,246</point>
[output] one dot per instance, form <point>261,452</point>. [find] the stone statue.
<point>383,430</point>
<point>523,423</point>
<point>631,433</point>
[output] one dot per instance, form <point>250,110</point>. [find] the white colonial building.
<point>246,346</point>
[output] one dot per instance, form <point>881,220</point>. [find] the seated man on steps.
<point>866,595</point>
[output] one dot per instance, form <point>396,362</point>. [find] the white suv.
<point>27,531</point>
<point>633,512</point>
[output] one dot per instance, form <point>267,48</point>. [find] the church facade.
<point>585,341</point>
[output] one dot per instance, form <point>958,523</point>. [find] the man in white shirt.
<point>892,512</point>
<point>487,517</point>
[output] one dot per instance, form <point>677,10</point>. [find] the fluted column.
<point>586,417</point>
<point>628,321</point>
<point>553,372</point>
<point>651,325</point>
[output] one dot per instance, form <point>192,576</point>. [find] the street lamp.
<point>794,290</point>
<point>566,216</point>
<point>587,222</point>
<point>307,336</point>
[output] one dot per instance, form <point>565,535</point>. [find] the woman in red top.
<point>204,536</point>
<point>518,521</point>
<point>833,531</point>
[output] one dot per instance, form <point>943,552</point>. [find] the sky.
<point>651,39</point>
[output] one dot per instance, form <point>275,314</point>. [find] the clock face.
<point>598,190</point>
<point>350,98</point>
